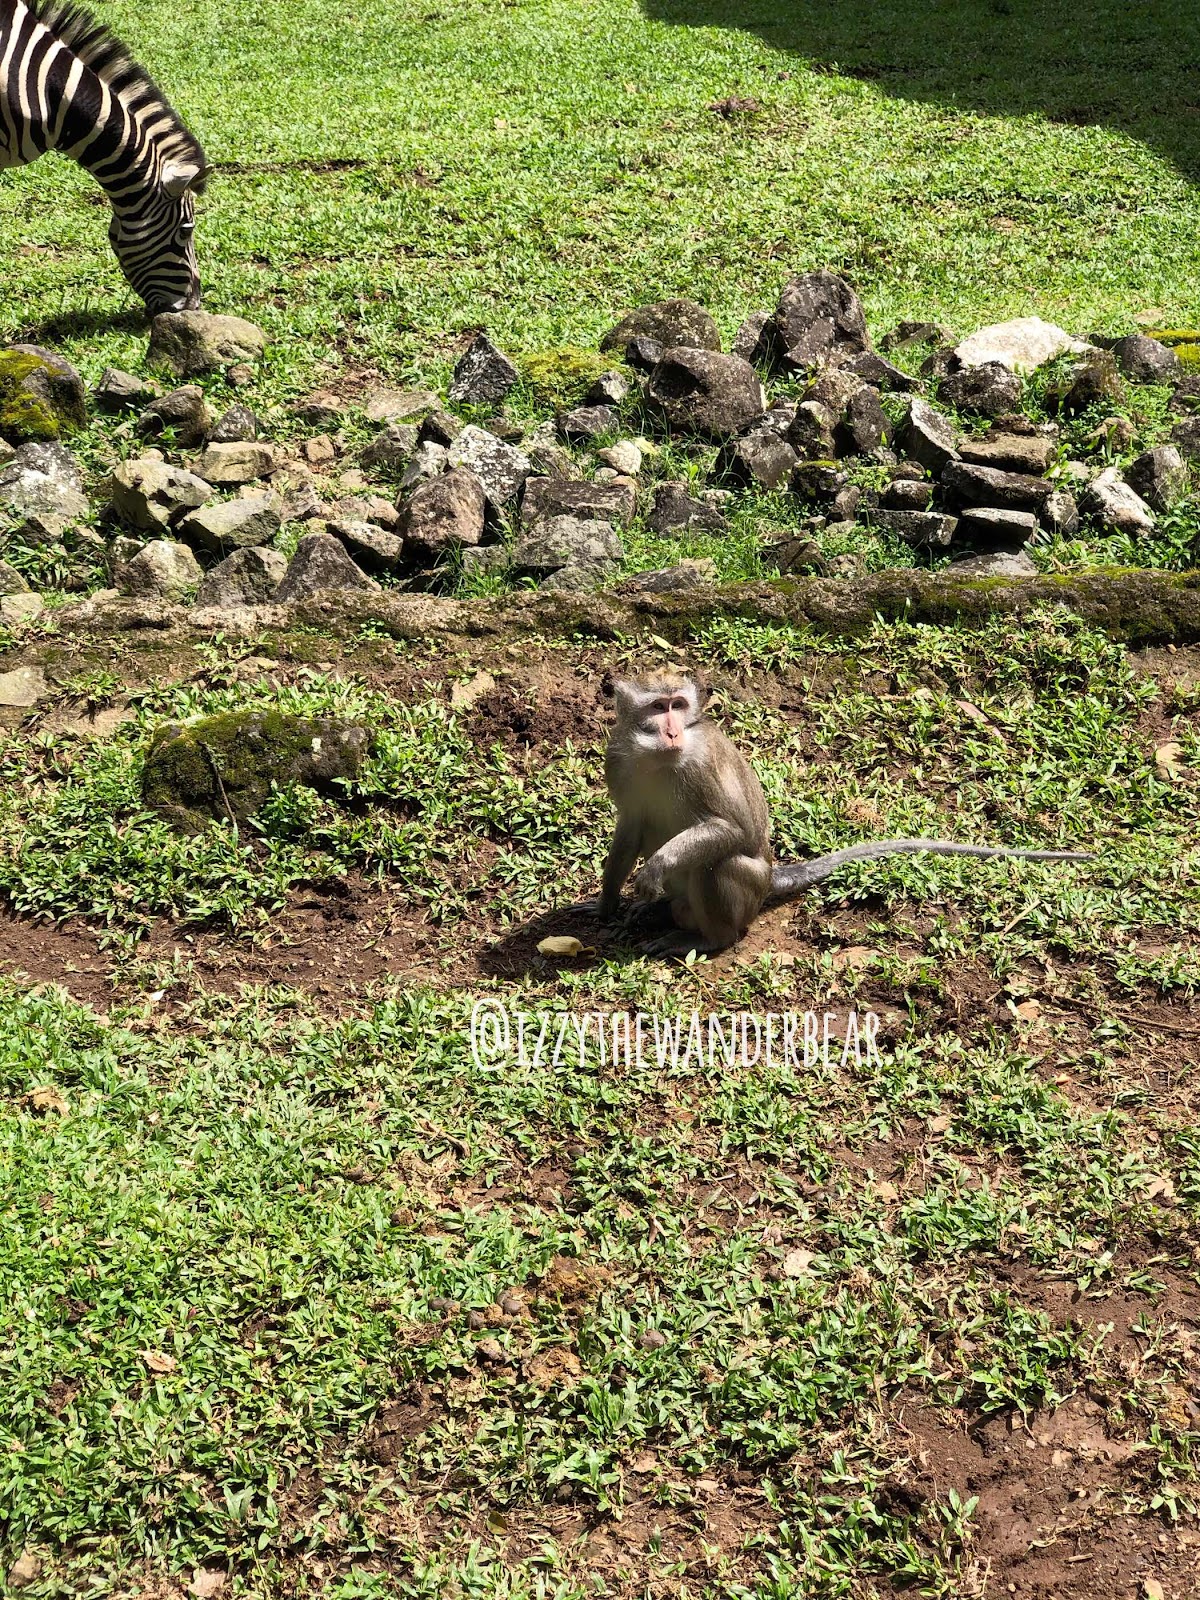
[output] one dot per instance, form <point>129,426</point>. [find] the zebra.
<point>67,84</point>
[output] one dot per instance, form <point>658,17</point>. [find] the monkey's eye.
<point>679,705</point>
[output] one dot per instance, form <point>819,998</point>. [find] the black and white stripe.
<point>66,84</point>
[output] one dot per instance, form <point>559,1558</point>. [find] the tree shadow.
<point>1128,66</point>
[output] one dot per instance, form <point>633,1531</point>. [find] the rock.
<point>864,426</point>
<point>609,389</point>
<point>675,511</point>
<point>1114,505</point>
<point>1115,434</point>
<point>566,541</point>
<point>798,555</point>
<point>1020,345</point>
<point>447,512</point>
<point>370,547</point>
<point>703,392</point>
<point>501,468</point>
<point>190,343</point>
<point>586,423</point>
<point>624,458</point>
<point>924,530</point>
<point>683,576</point>
<point>42,480</point>
<point>1185,436</point>
<point>850,564</point>
<point>319,452</point>
<point>761,460</point>
<point>365,508</point>
<point>1144,360</point>
<point>484,559</point>
<point>440,428</point>
<point>643,354</point>
<point>757,340</point>
<point>240,375</point>
<point>927,437</point>
<point>248,577</point>
<point>579,577</point>
<point>669,323</point>
<point>321,409</point>
<point>909,335</point>
<point>41,394</point>
<point>1092,381</point>
<point>150,495</point>
<point>810,432</point>
<point>226,765</point>
<point>391,449</point>
<point>320,562</point>
<point>1030,453</point>
<point>7,452</point>
<point>845,503</point>
<point>229,465</point>
<point>872,369</point>
<point>989,528</point>
<point>549,461</point>
<point>118,390</point>
<point>554,497</point>
<point>16,609</point>
<point>428,461</point>
<point>482,374</point>
<point>216,529</point>
<point>986,486</point>
<point>161,567</point>
<point>1158,476</point>
<point>11,581</point>
<point>23,687</point>
<point>817,482</point>
<point>990,390</point>
<point>399,405</point>
<point>301,502</point>
<point>1060,514</point>
<point>819,320</point>
<point>907,494</point>
<point>238,425</point>
<point>184,413</point>
<point>995,564</point>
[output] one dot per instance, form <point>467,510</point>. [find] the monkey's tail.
<point>792,878</point>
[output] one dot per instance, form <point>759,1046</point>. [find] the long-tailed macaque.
<point>690,806</point>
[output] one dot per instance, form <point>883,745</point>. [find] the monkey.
<point>689,804</point>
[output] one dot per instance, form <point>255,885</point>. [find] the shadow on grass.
<point>1109,63</point>
<point>81,324</point>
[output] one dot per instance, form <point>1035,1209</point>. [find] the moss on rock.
<point>41,395</point>
<point>558,376</point>
<point>225,765</point>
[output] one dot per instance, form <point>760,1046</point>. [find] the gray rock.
<point>669,323</point>
<point>23,687</point>
<point>301,502</point>
<point>184,413</point>
<point>44,395</point>
<point>161,567</point>
<point>586,423</point>
<point>579,577</point>
<point>845,503</point>
<point>989,528</point>
<point>246,578</point>
<point>1158,476</point>
<point>555,497</point>
<point>986,486</point>
<point>365,508</point>
<point>1093,380</point>
<point>427,462</point>
<point>796,555</point>
<point>229,465</point>
<point>320,562</point>
<point>371,547</point>
<point>880,374</point>
<point>811,432</point>
<point>624,457</point>
<point>440,427</point>
<point>1029,453</point>
<point>820,320</point>
<point>216,529</point>
<point>19,608</point>
<point>609,389</point>
<point>238,425</point>
<point>566,541</point>
<point>990,390</point>
<point>42,480</point>
<point>11,581</point>
<point>190,343</point>
<point>1060,514</point>
<point>682,577</point>
<point>7,452</point>
<point>833,388</point>
<point>864,426</point>
<point>927,437</point>
<point>447,512</point>
<point>118,390</point>
<point>1114,505</point>
<point>924,530</point>
<point>705,393</point>
<point>391,449</point>
<point>321,409</point>
<point>549,461</point>
<point>910,335</point>
<point>1019,345</point>
<point>1185,436</point>
<point>757,340</point>
<point>675,511</point>
<point>400,405</point>
<point>482,374</point>
<point>817,482</point>
<point>51,459</point>
<point>643,354</point>
<point>907,494</point>
<point>1144,360</point>
<point>488,558</point>
<point>761,460</point>
<point>995,564</point>
<point>151,495</point>
<point>500,467</point>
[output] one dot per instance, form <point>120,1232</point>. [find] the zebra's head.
<point>151,233</point>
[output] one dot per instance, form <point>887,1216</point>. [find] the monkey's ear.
<point>704,691</point>
<point>625,696</point>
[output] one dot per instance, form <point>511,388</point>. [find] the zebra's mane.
<point>98,48</point>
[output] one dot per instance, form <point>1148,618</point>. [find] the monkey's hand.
<point>602,909</point>
<point>650,883</point>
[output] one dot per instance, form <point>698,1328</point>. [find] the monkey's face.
<point>658,715</point>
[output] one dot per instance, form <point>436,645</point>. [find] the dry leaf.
<point>1028,1010</point>
<point>26,1569</point>
<point>971,710</point>
<point>1152,317</point>
<point>47,1098</point>
<point>560,944</point>
<point>206,1581</point>
<point>1167,762</point>
<point>647,1462</point>
<point>887,1191</point>
<point>798,1263</point>
<point>1157,1185</point>
<point>157,1361</point>
<point>663,644</point>
<point>854,958</point>
<point>938,1124</point>
<point>464,695</point>
<point>556,1367</point>
<point>1152,1589</point>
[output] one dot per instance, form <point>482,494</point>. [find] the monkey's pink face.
<point>661,720</point>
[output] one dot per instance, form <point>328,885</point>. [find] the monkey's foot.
<point>682,944</point>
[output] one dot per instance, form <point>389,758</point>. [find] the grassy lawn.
<point>298,1298</point>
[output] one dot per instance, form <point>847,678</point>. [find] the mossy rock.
<point>225,765</point>
<point>556,376</point>
<point>41,395</point>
